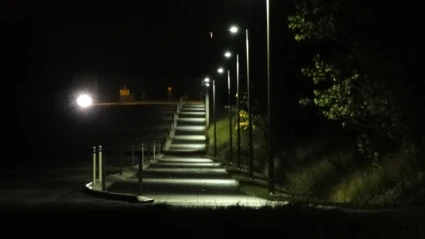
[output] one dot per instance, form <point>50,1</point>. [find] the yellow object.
<point>169,89</point>
<point>124,92</point>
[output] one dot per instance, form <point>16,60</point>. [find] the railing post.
<point>140,171</point>
<point>94,166</point>
<point>121,159</point>
<point>154,151</point>
<point>132,156</point>
<point>159,149</point>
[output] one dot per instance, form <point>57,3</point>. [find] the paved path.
<point>184,176</point>
<point>189,136</point>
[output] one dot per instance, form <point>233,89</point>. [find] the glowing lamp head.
<point>84,101</point>
<point>220,70</point>
<point>234,29</point>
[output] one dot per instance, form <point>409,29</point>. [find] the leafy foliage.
<point>350,85</point>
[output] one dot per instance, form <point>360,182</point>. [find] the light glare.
<point>220,70</point>
<point>84,101</point>
<point>228,54</point>
<point>234,29</point>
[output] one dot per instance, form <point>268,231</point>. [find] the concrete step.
<point>186,165</point>
<point>188,139</point>
<point>198,109</point>
<point>192,114</point>
<point>210,173</point>
<point>189,121</point>
<point>177,159</point>
<point>204,186</point>
<point>184,151</point>
<point>189,130</point>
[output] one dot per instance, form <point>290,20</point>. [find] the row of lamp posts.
<point>269,108</point>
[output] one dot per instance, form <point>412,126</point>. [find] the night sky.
<point>144,46</point>
<point>56,50</point>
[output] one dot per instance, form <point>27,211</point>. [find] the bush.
<point>223,149</point>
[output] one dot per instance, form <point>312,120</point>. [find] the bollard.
<point>104,173</point>
<point>154,151</point>
<point>132,156</point>
<point>94,166</point>
<point>141,158</point>
<point>121,159</point>
<point>102,168</point>
<point>100,164</point>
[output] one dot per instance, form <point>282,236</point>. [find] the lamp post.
<point>230,116</point>
<point>238,155</point>
<point>207,102</point>
<point>235,30</point>
<point>207,84</point>
<point>221,70</point>
<point>270,143</point>
<point>215,120</point>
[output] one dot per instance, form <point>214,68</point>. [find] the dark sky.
<point>145,45</point>
<point>54,50</point>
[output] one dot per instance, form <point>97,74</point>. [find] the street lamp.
<point>270,144</point>
<point>84,101</point>
<point>207,102</point>
<point>238,160</point>
<point>234,30</point>
<point>207,83</point>
<point>221,70</point>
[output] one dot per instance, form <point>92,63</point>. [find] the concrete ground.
<point>184,176</point>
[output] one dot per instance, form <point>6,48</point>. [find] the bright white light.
<point>84,101</point>
<point>228,54</point>
<point>234,29</point>
<point>207,80</point>
<point>220,70</point>
<point>207,84</point>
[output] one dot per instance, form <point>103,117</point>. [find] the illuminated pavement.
<point>189,136</point>
<point>188,181</point>
<point>183,177</point>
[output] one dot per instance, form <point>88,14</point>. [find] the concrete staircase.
<point>189,135</point>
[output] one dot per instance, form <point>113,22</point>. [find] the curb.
<point>131,198</point>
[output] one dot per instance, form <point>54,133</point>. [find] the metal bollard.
<point>100,164</point>
<point>102,168</point>
<point>94,166</point>
<point>141,171</point>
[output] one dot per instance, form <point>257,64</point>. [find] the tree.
<point>357,77</point>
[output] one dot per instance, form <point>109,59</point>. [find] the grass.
<point>322,169</point>
<point>312,178</point>
<point>364,184</point>
<point>222,134</point>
